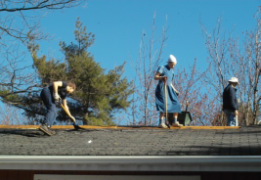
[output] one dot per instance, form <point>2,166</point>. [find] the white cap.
<point>233,80</point>
<point>172,59</point>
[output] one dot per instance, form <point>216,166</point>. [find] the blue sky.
<point>118,25</point>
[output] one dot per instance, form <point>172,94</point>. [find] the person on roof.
<point>166,73</point>
<point>230,104</point>
<point>56,91</point>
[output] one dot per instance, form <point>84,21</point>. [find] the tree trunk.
<point>248,111</point>
<point>85,120</point>
<point>256,107</point>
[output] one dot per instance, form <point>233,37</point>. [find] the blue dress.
<point>172,98</point>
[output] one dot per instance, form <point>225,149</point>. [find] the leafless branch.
<point>21,5</point>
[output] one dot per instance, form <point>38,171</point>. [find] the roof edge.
<point>134,163</point>
<point>36,127</point>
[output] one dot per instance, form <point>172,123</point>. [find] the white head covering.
<point>233,79</point>
<point>172,59</point>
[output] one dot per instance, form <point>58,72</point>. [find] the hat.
<point>233,80</point>
<point>172,59</point>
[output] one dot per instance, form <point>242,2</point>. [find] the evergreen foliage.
<point>98,94</point>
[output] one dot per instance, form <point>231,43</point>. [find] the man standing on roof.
<point>230,105</point>
<point>56,91</point>
<point>167,73</point>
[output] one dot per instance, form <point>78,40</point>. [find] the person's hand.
<point>236,112</point>
<point>56,96</point>
<point>177,93</point>
<point>164,78</point>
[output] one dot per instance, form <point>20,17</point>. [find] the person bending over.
<point>56,91</point>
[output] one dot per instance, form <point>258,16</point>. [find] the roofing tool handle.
<point>166,102</point>
<point>68,114</point>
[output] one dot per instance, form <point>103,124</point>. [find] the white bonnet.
<point>172,59</point>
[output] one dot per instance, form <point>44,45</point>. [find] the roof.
<point>130,141</point>
<point>143,149</point>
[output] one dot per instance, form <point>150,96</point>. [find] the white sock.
<point>163,120</point>
<point>175,120</point>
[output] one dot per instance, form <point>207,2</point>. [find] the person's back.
<point>229,98</point>
<point>230,105</point>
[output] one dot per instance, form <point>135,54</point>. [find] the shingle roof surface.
<point>133,142</point>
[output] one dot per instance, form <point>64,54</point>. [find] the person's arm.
<point>159,77</point>
<point>160,74</point>
<point>174,89</point>
<point>173,76</point>
<point>67,109</point>
<point>57,84</point>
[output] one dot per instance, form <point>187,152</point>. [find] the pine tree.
<point>98,94</point>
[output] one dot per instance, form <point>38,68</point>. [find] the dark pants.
<point>49,103</point>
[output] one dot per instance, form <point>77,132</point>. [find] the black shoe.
<point>45,130</point>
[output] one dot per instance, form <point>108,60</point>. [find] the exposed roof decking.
<point>113,127</point>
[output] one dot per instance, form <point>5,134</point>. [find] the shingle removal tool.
<point>68,114</point>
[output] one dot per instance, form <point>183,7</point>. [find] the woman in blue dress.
<point>173,106</point>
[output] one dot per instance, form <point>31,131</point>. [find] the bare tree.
<point>253,52</point>
<point>192,98</point>
<point>16,75</point>
<point>25,5</point>
<point>14,11</point>
<point>241,69</point>
<point>226,59</point>
<point>145,68</point>
<point>220,65</point>
<point>18,28</point>
<point>247,66</point>
<point>9,115</point>
<point>188,84</point>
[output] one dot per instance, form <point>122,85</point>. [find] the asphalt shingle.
<point>133,142</point>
